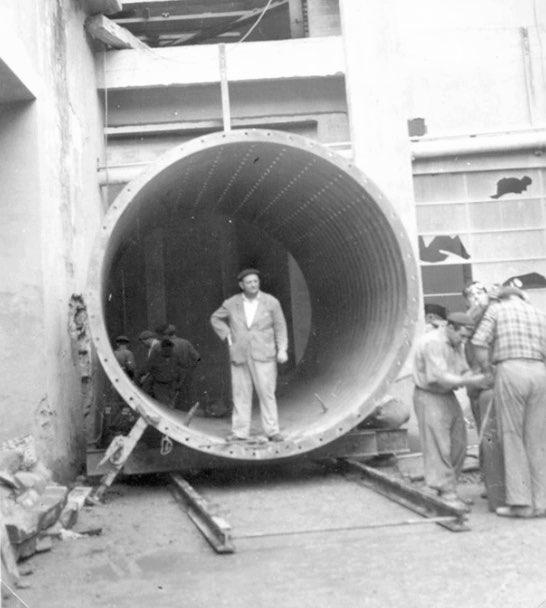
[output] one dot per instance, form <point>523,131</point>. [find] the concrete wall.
<point>21,298</point>
<point>474,66</point>
<point>49,152</point>
<point>323,17</point>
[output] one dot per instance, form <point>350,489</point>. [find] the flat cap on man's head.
<point>510,290</point>
<point>146,335</point>
<point>161,329</point>
<point>436,309</point>
<point>244,273</point>
<point>122,339</point>
<point>461,318</point>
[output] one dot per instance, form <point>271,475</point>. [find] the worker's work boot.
<point>277,437</point>
<point>520,511</point>
<point>450,497</point>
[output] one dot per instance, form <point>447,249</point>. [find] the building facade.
<point>444,110</point>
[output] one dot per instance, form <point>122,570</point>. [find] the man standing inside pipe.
<point>440,367</point>
<point>254,327</point>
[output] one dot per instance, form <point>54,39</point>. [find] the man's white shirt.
<point>250,307</point>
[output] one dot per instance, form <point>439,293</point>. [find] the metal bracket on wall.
<point>115,457</point>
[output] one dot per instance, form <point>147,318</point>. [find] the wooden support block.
<point>115,457</point>
<point>105,30</point>
<point>107,7</point>
<point>9,572</point>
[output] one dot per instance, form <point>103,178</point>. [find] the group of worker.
<point>253,326</point>
<point>496,349</point>
<point>167,372</point>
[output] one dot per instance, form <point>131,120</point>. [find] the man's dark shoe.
<point>453,500</point>
<point>522,512</point>
<point>277,437</point>
<point>540,513</point>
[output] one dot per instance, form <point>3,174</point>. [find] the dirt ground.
<point>150,554</point>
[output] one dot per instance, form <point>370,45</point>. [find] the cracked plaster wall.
<point>49,149</point>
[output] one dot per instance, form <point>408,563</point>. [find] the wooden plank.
<point>199,126</point>
<point>307,58</point>
<point>9,571</point>
<point>115,458</point>
<point>110,33</point>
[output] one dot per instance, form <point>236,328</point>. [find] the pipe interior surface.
<point>353,252</point>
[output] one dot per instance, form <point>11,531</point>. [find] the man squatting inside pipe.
<point>254,327</point>
<point>440,367</point>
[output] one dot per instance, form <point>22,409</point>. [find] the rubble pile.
<point>33,507</point>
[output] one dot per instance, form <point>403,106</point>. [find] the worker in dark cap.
<point>118,416</point>
<point>511,290</point>
<point>512,338</point>
<point>254,327</point>
<point>124,356</point>
<point>188,357</point>
<point>440,367</point>
<point>162,375</point>
<point>149,340</point>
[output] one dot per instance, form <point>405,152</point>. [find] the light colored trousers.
<point>520,398</point>
<point>443,437</point>
<point>263,376</point>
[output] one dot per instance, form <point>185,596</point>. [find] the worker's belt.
<point>433,392</point>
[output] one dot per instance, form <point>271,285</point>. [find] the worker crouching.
<point>440,367</point>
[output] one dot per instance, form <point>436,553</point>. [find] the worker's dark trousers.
<point>491,460</point>
<point>442,432</point>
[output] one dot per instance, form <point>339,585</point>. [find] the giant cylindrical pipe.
<point>353,252</point>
